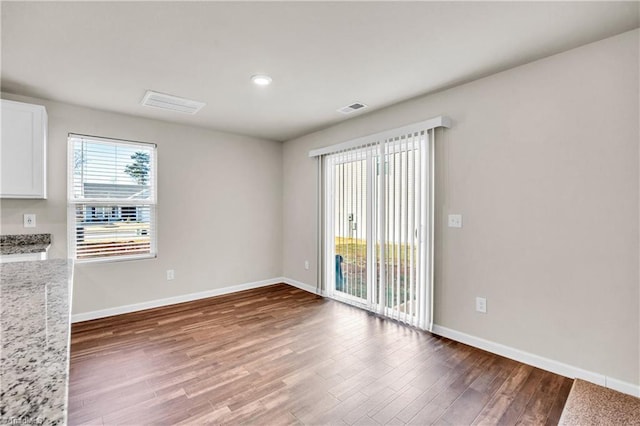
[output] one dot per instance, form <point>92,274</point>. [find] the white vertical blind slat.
<point>414,276</point>
<point>382,225</point>
<point>405,207</point>
<point>431,247</point>
<point>412,228</point>
<point>395,261</point>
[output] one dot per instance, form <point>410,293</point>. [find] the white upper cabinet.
<point>23,150</point>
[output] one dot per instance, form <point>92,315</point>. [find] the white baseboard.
<point>102,313</point>
<point>538,361</point>
<point>624,387</point>
<point>301,285</point>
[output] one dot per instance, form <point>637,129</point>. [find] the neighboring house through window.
<point>112,199</point>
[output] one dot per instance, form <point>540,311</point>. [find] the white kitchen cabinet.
<point>23,150</point>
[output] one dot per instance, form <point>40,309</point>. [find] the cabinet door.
<point>23,150</point>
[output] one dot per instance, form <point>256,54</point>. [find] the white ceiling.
<point>321,55</point>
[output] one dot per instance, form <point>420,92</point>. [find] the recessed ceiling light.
<point>261,80</point>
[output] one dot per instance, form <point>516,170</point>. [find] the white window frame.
<point>73,203</point>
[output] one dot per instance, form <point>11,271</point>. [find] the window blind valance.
<point>432,123</point>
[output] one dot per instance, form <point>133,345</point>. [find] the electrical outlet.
<point>481,305</point>
<point>455,221</point>
<point>306,265</point>
<point>29,220</point>
<point>171,274</point>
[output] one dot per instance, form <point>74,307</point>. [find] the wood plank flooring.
<point>278,355</point>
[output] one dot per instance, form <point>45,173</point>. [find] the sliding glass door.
<point>377,227</point>
<point>348,237</point>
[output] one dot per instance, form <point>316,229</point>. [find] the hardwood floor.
<point>279,355</point>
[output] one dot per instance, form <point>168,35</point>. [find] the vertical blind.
<point>376,218</point>
<point>112,198</point>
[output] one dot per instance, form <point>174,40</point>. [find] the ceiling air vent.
<point>351,108</point>
<point>171,103</point>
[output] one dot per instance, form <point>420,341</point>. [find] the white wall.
<point>219,209</point>
<point>542,161</point>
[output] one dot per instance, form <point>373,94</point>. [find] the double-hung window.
<point>112,199</point>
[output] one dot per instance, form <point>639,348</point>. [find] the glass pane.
<point>350,202</point>
<point>111,170</point>
<point>104,231</point>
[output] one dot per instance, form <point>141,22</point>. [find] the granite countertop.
<point>24,243</point>
<point>34,341</point>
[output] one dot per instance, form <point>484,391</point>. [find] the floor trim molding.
<point>624,387</point>
<point>538,361</point>
<point>118,310</point>
<point>301,285</point>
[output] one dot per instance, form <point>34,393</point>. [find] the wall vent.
<point>170,102</point>
<point>351,108</point>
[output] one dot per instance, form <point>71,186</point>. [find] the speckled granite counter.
<point>24,243</point>
<point>34,340</point>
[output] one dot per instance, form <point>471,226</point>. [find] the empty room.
<point>320,213</point>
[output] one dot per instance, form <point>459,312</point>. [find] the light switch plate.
<point>29,220</point>
<point>455,221</point>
